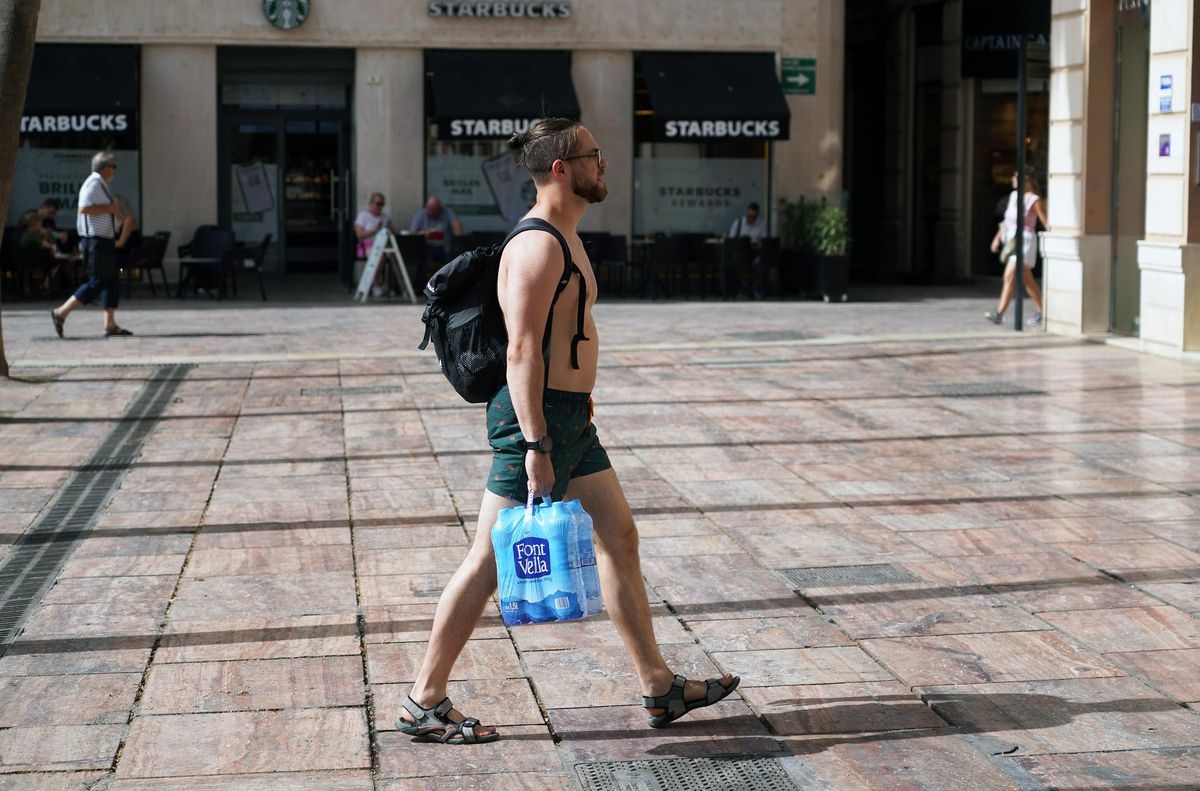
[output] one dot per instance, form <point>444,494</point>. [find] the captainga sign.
<point>286,14</point>
<point>501,10</point>
<point>741,129</point>
<point>76,122</point>
<point>992,31</point>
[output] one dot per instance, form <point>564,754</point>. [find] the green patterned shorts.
<point>577,449</point>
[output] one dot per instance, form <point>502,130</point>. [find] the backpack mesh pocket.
<point>475,351</point>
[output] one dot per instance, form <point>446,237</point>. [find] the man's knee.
<point>618,541</point>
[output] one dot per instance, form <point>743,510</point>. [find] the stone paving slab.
<point>277,781</point>
<point>252,604</point>
<point>906,760</point>
<point>182,745</point>
<point>47,748</point>
<point>1167,770</point>
<point>1067,715</point>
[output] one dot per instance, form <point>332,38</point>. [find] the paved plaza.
<point>940,554</point>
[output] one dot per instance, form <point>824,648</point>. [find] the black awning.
<point>491,94</point>
<point>83,89</point>
<point>83,78</point>
<point>715,96</point>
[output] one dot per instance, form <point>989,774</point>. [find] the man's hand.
<point>996,244</point>
<point>540,472</point>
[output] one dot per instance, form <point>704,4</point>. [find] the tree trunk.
<point>18,26</point>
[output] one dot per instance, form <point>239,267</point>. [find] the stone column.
<point>389,129</point>
<point>179,141</point>
<point>1078,247</point>
<point>1169,257</point>
<point>952,248</point>
<point>810,162</point>
<point>603,86</point>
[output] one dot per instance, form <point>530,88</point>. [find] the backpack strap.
<point>569,268</point>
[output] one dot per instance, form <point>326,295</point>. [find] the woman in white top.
<point>366,225</point>
<point>1006,233</point>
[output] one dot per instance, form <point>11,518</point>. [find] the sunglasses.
<point>593,153</point>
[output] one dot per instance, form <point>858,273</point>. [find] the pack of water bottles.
<point>546,563</point>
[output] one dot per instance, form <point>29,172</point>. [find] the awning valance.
<point>492,94</point>
<point>715,96</point>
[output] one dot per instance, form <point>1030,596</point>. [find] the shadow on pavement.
<point>317,631</point>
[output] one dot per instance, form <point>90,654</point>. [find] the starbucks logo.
<point>286,14</point>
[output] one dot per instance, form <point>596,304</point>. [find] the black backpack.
<point>463,318</point>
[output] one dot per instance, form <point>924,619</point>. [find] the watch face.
<point>286,14</point>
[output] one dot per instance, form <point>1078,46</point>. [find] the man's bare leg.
<point>458,611</point>
<point>621,581</point>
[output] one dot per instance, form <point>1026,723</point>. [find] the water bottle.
<point>545,563</point>
<point>584,558</point>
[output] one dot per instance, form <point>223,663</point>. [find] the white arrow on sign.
<point>800,79</point>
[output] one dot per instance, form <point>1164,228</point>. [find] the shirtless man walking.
<point>548,446</point>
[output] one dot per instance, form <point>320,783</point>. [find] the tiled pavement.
<point>252,602</point>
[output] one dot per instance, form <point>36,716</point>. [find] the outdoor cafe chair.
<point>147,258</point>
<point>613,259</point>
<point>242,257</point>
<point>206,255</point>
<point>668,260</point>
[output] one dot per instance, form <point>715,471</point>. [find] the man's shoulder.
<point>534,250</point>
<point>91,190</point>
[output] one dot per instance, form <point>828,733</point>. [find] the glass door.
<point>286,174</point>
<point>1129,167</point>
<point>253,179</point>
<point>315,194</point>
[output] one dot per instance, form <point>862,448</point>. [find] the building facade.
<point>931,131</point>
<point>283,116</point>
<point>1123,252</point>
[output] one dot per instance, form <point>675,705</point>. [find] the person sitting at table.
<point>129,235</point>
<point>366,225</point>
<point>37,252</point>
<point>48,210</point>
<point>439,225</point>
<point>753,226</point>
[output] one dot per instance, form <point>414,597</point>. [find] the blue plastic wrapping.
<point>546,563</point>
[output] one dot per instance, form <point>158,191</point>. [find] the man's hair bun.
<point>517,142</point>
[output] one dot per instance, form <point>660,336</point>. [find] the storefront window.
<point>475,100</point>
<point>703,123</point>
<point>81,99</point>
<point>697,188</point>
<point>480,180</point>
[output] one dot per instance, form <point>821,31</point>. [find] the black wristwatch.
<point>543,445</point>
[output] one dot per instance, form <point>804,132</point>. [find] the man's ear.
<point>559,168</point>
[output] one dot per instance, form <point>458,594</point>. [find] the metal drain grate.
<point>735,773</point>
<point>838,576</point>
<point>32,565</point>
<point>351,391</point>
<point>984,390</point>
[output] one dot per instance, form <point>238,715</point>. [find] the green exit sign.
<point>799,76</point>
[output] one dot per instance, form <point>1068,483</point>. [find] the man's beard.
<point>595,192</point>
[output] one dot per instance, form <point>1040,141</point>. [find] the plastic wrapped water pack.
<point>546,563</point>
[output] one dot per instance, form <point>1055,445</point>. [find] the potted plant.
<point>829,237</point>
<point>796,274</point>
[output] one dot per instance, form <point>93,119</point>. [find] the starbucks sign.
<point>286,14</point>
